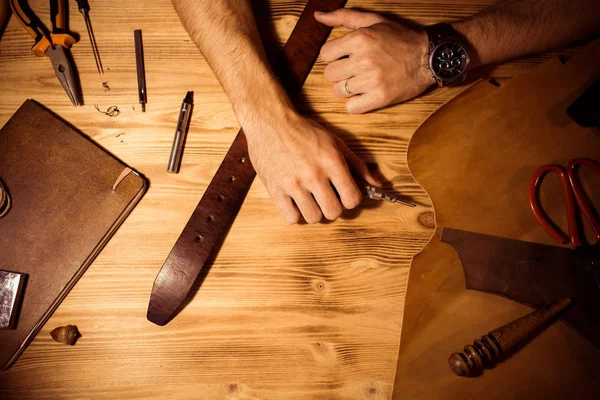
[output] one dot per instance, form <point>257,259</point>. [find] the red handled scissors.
<point>573,192</point>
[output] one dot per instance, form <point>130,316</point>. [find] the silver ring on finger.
<point>347,89</point>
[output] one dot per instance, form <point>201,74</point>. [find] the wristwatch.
<point>448,57</point>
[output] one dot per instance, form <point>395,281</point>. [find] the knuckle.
<point>311,174</point>
<point>292,184</point>
<point>334,159</point>
<point>369,62</point>
<point>378,78</point>
<point>363,35</point>
<point>381,98</point>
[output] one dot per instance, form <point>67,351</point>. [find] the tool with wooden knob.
<point>501,342</point>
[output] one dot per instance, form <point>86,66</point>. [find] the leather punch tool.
<point>54,44</point>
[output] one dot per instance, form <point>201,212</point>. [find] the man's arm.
<point>299,162</point>
<point>386,61</point>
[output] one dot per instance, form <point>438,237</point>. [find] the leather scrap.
<point>533,274</point>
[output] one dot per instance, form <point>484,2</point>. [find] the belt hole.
<point>232,178</point>
<point>198,238</point>
<point>221,197</point>
<point>210,218</point>
<point>242,160</point>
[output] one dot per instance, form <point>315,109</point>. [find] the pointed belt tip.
<point>156,318</point>
<point>158,315</point>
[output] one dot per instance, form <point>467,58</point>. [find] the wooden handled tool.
<point>501,342</point>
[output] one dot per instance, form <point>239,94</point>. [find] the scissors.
<point>54,44</point>
<point>573,193</point>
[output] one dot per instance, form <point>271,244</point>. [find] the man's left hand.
<point>381,62</point>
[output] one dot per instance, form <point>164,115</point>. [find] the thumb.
<point>348,18</point>
<point>357,166</point>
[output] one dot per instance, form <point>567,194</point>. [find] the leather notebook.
<point>69,196</point>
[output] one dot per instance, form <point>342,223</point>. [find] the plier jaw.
<point>54,44</point>
<point>64,68</point>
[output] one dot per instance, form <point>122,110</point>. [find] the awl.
<point>84,9</point>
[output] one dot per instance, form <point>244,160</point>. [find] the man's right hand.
<point>303,165</point>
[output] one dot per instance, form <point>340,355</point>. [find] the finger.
<point>339,70</point>
<point>337,48</point>
<point>327,200</point>
<point>348,18</point>
<point>308,206</point>
<point>346,187</point>
<point>349,87</point>
<point>357,166</point>
<point>365,102</point>
<point>287,209</point>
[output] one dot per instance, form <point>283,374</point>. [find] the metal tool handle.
<point>141,70</point>
<point>58,16</point>
<point>538,212</point>
<point>583,200</point>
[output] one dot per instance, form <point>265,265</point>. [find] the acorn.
<point>66,334</point>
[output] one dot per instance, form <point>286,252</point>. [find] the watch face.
<point>449,60</point>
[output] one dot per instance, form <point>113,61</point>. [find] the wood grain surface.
<point>285,312</point>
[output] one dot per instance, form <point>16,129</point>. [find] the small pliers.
<point>54,44</point>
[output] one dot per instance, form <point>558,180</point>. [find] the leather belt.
<point>225,194</point>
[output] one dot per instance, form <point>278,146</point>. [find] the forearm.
<point>225,32</point>
<point>514,28</point>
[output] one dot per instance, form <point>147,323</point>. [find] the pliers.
<point>54,44</point>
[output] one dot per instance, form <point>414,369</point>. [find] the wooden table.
<point>285,312</point>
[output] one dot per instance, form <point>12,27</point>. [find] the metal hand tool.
<point>84,9</point>
<point>183,125</point>
<point>375,193</point>
<point>573,192</point>
<point>54,44</point>
<point>141,69</point>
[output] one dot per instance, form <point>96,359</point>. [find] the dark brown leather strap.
<point>224,196</point>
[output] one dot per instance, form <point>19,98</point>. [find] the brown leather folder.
<point>69,196</point>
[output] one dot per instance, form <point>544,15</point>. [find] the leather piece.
<point>533,274</point>
<point>63,212</point>
<point>224,196</point>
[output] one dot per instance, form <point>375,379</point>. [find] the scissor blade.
<point>65,72</point>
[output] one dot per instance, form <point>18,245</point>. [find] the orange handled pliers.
<point>574,193</point>
<point>55,44</point>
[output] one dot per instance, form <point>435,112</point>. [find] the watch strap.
<point>225,194</point>
<point>438,33</point>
